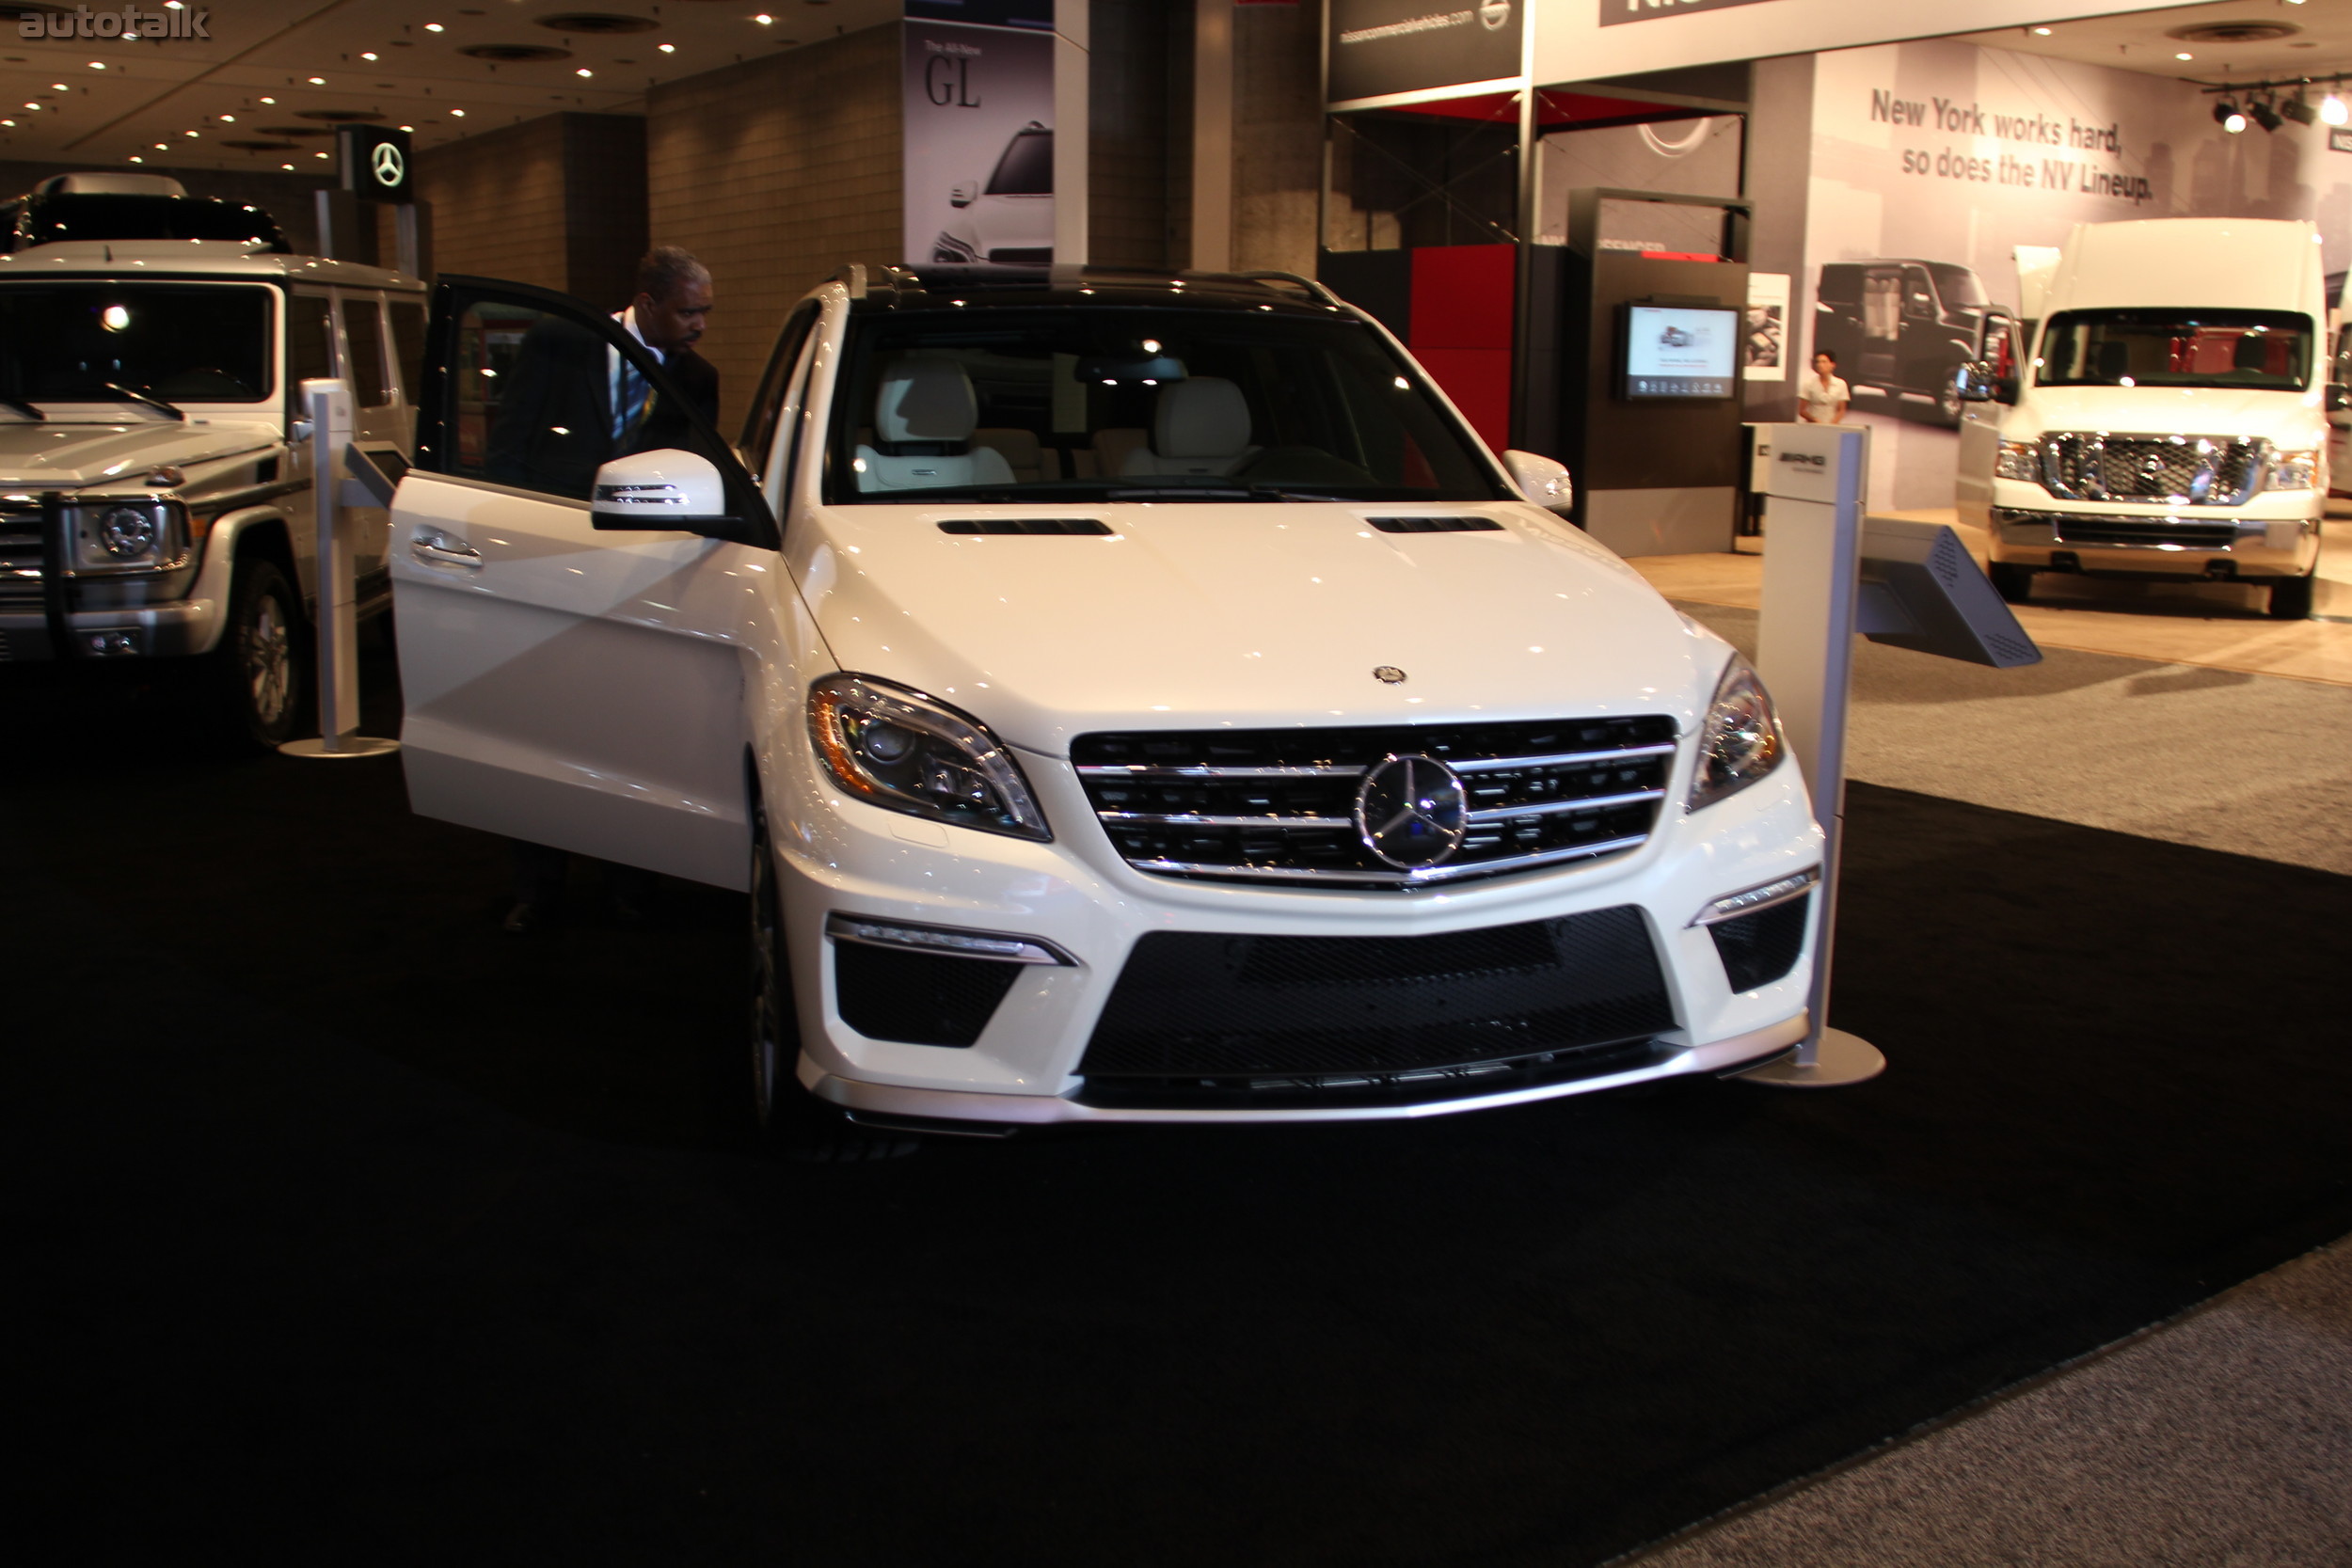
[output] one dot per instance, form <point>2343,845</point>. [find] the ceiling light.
<point>410,129</point>
<point>2042,32</point>
<point>2264,114</point>
<point>2227,113</point>
<point>431,27</point>
<point>367,54</point>
<point>288,167</point>
<point>584,70</point>
<point>269,100</point>
<point>669,49</point>
<point>2331,109</point>
<point>764,19</point>
<point>318,154</point>
<point>2184,55</point>
<point>458,114</point>
<point>98,65</point>
<point>228,120</point>
<point>163,147</point>
<point>136,159</point>
<point>2299,110</point>
<point>191,132</point>
<point>59,87</point>
<point>318,81</point>
<point>8,123</point>
<point>30,104</point>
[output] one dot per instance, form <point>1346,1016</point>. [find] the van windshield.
<point>183,342</point>
<point>1018,405</point>
<point>2258,350</point>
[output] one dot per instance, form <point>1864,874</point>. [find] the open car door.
<point>565,682</point>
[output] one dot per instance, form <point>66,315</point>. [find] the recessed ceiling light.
<point>318,81</point>
<point>59,87</point>
<point>192,133</point>
<point>2184,55</point>
<point>2042,32</point>
<point>669,49</point>
<point>136,159</point>
<point>318,154</point>
<point>228,120</point>
<point>458,114</point>
<point>288,167</point>
<point>410,129</point>
<point>367,54</point>
<point>269,100</point>
<point>31,104</point>
<point>764,20</point>
<point>433,28</point>
<point>98,65</point>
<point>584,70</point>
<point>163,147</point>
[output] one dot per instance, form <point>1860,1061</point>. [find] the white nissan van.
<point>2169,417</point>
<point>1126,697</point>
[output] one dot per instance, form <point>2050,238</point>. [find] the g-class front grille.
<point>22,555</point>
<point>2190,471</point>
<point>1281,806</point>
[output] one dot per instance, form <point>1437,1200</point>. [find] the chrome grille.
<point>22,555</point>
<point>1278,806</point>
<point>2187,470</point>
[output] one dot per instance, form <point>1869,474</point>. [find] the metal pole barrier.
<point>332,422</point>
<point>1804,653</point>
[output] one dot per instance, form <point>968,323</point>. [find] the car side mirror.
<point>1975,382</point>
<point>2339,396</point>
<point>1541,480</point>
<point>667,490</point>
<point>964,193</point>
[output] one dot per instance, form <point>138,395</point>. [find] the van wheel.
<point>786,1119</point>
<point>256,669</point>
<point>2012,581</point>
<point>1948,405</point>
<point>2291,598</point>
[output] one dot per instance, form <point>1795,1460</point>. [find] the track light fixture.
<point>2299,110</point>
<point>2332,109</point>
<point>2226,115</point>
<point>2265,113</point>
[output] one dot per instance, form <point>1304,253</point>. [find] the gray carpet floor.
<point>2224,1437</point>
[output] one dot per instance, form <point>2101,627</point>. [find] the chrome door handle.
<point>436,549</point>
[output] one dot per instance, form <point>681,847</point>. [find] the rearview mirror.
<point>1541,480</point>
<point>670,490</point>
<point>1975,382</point>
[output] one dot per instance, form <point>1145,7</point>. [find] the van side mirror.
<point>1541,480</point>
<point>1976,382</point>
<point>669,491</point>
<point>2339,396</point>
<point>964,193</point>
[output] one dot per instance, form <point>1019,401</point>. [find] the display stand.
<point>334,490</point>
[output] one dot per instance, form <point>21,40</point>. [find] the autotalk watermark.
<point>177,22</point>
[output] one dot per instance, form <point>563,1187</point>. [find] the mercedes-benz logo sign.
<point>387,163</point>
<point>1495,14</point>
<point>1388,674</point>
<point>1410,811</point>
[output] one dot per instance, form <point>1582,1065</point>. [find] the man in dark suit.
<point>573,403</point>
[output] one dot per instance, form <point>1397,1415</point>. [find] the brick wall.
<point>775,172</point>
<point>1128,190</point>
<point>498,200</point>
<point>284,196</point>
<point>1278,135</point>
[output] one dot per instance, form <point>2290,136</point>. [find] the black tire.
<point>257,669</point>
<point>1949,406</point>
<point>2013,581</point>
<point>786,1119</point>
<point>2291,598</point>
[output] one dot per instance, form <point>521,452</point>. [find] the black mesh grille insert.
<point>917,998</point>
<point>2071,529</point>
<point>1199,1015</point>
<point>1436,525</point>
<point>1760,948</point>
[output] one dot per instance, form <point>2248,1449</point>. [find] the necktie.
<point>628,398</point>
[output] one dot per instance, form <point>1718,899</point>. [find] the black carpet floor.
<point>340,1223</point>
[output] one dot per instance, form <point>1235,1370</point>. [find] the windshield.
<point>183,342</point>
<point>1960,288</point>
<point>1027,166</point>
<point>1138,404</point>
<point>2263,349</point>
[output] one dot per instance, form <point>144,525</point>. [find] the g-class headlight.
<point>128,536</point>
<point>897,749</point>
<point>2020,460</point>
<point>2293,470</point>
<point>1741,741</point>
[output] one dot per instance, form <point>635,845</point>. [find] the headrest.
<point>2252,352</point>
<point>926,400</point>
<point>1204,415</point>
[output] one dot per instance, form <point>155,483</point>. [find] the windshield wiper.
<point>136,394</point>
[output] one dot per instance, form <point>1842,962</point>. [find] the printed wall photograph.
<point>1764,357</point>
<point>979,143</point>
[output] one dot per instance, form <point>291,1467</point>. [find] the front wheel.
<point>787,1119</point>
<point>256,671</point>
<point>2291,598</point>
<point>1948,404</point>
<point>2013,583</point>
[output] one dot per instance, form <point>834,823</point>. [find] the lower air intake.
<point>1760,948</point>
<point>1204,1019</point>
<point>917,998</point>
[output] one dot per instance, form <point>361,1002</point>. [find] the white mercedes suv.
<point>1124,697</point>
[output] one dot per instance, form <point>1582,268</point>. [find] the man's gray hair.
<point>666,269</point>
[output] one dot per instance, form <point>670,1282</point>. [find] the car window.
<point>185,342</point>
<point>364,334</point>
<point>309,340</point>
<point>408,345</point>
<point>2257,350</point>
<point>540,401</point>
<point>1136,403</point>
<point>759,425</point>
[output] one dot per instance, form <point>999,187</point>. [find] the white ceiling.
<point>160,89</point>
<point>2320,47</point>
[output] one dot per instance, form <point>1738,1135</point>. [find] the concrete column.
<point>1213,136</point>
<point>1074,69</point>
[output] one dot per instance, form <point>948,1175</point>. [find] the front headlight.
<point>2020,460</point>
<point>897,749</point>
<point>128,536</point>
<point>2293,470</point>
<point>1741,741</point>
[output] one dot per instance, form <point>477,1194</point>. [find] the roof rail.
<point>1320,292</point>
<point>853,275</point>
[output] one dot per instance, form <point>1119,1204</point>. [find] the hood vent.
<point>1093,525</point>
<point>1436,525</point>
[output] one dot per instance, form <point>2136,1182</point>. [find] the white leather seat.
<point>1201,426</point>
<point>922,419</point>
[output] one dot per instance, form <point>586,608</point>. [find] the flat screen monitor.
<point>1679,351</point>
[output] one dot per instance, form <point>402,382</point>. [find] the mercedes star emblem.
<point>1388,674</point>
<point>1410,811</point>
<point>387,165</point>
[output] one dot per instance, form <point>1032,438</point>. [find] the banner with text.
<point>979,134</point>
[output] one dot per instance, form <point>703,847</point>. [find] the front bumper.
<point>839,857</point>
<point>2259,540</point>
<point>176,629</point>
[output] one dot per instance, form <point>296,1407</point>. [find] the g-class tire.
<point>2291,598</point>
<point>786,1120</point>
<point>257,669</point>
<point>2012,581</point>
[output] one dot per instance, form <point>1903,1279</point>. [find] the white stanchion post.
<point>329,405</point>
<point>1804,653</point>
